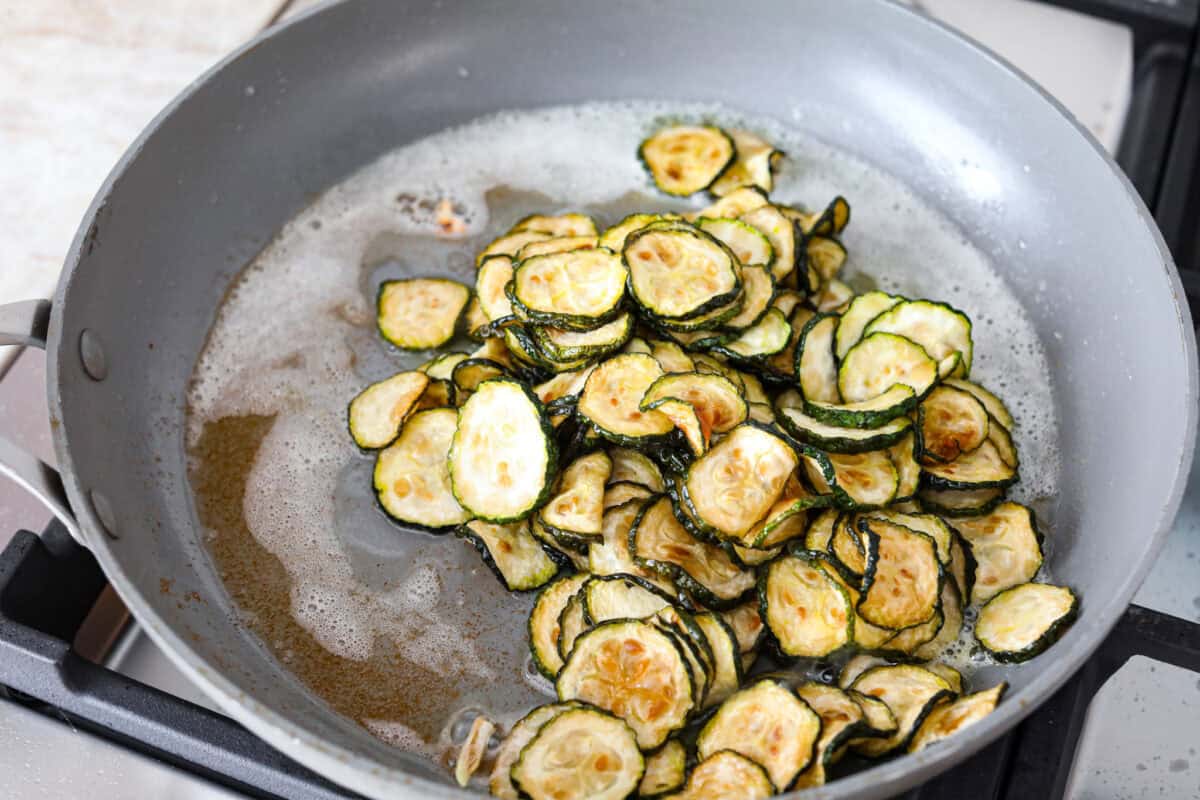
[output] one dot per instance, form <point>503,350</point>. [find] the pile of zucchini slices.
<point>702,447</point>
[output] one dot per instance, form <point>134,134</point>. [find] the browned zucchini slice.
<point>420,312</point>
<point>994,405</point>
<point>522,733</point>
<point>747,625</point>
<point>752,166</point>
<point>841,718</point>
<point>780,232</point>
<point>631,465</point>
<point>1021,622</point>
<point>862,310</point>
<point>666,770</point>
<point>412,479</point>
<point>726,775</point>
<point>544,628</point>
<point>734,204</point>
<point>906,579</point>
<point>578,289</point>
<point>910,692</point>
<point>960,502</point>
<point>808,612</point>
<point>718,405</point>
<point>377,412</point>
<point>685,159</point>
<point>950,718</point>
<point>560,225</point>
<point>611,397</point>
<point>727,663</point>
<point>856,480</point>
<point>1006,548</point>
<point>679,272</point>
<point>982,468</point>
<point>576,509</point>
<point>512,553</point>
<point>580,754</point>
<point>883,360</point>
<point>951,422</point>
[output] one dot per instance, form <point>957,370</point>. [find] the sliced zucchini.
<point>994,405</point>
<point>883,360</point>
<point>635,671</point>
<point>475,321</point>
<point>906,580</point>
<point>747,625</point>
<point>657,541</point>
<point>671,357</point>
<point>544,622</point>
<point>685,159</point>
<point>820,531</point>
<point>807,611</point>
<point>751,557</point>
<point>494,274</point>
<point>931,525</point>
<point>856,666</point>
<point>578,290</point>
<point>571,625</point>
<point>982,468</point>
<point>787,300</point>
<point>417,313</point>
<point>834,296</point>
<point>684,626</point>
<point>780,232</point>
<point>854,552</point>
<point>630,465</point>
<point>560,225</point>
<point>962,567</point>
<point>908,471</point>
<point>680,272</point>
<point>835,438</point>
<point>512,553</point>
<point>715,401</point>
<point>609,597</point>
<point>746,242</point>
<point>727,663</point>
<point>493,349</point>
<point>960,502</point>
<point>826,255</point>
<point>856,480</point>
<point>816,367</point>
<point>438,394</point>
<point>768,724</point>
<point>1001,439</point>
<point>503,456</point>
<point>754,160</point>
<point>510,244</point>
<point>563,244</point>
<point>877,717</point>
<point>565,385</point>
<point>412,480</point>
<point>939,329</point>
<point>377,412</point>
<point>758,289</point>
<point>947,634</point>
<point>441,368</point>
<point>910,692</point>
<point>566,345</point>
<point>735,483</point>
<point>666,770</point>
<point>907,641</point>
<point>621,492</point>
<point>580,754</point>
<point>734,204</point>
<point>561,549</point>
<point>614,237</point>
<point>470,372</point>
<point>1020,622</point>
<point>787,519</point>
<point>841,718</point>
<point>726,775</point>
<point>951,422</point>
<point>576,509</point>
<point>610,400</point>
<point>611,555</point>
<point>950,718</point>
<point>765,338</point>
<point>866,635</point>
<point>952,676</point>
<point>500,782</point>
<point>873,413</point>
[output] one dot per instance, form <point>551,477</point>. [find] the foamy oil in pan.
<point>405,631</point>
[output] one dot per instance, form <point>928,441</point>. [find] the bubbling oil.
<point>402,630</point>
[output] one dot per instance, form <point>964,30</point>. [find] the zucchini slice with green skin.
<point>747,625</point>
<point>494,274</point>
<point>755,157</point>
<point>834,296</point>
<point>907,641</point>
<point>787,301</point>
<point>855,480</point>
<point>610,400</point>
<point>910,692</point>
<point>631,465</point>
<point>611,556</point>
<point>685,159</point>
<point>510,244</point>
<point>960,502</point>
<point>571,625</point>
<point>418,313</point>
<point>951,627</point>
<point>906,581</point>
<point>564,385</point>
<point>727,662</point>
<point>883,360</point>
<point>758,289</point>
<point>781,233</point>
<point>854,552</point>
<point>829,222</point>
<point>637,672</point>
<point>550,767</point>
<point>560,225</point>
<point>856,666</point>
<point>765,338</point>
<point>503,455</point>
<point>470,372</point>
<point>493,349</point>
<point>950,422</point>
<point>745,241</point>
<point>512,553</point>
<point>826,255</point>
<point>878,719</point>
<point>950,718</point>
<point>567,345</point>
<point>841,719</point>
<point>726,775</point>
<point>908,471</point>
<point>544,622</point>
<point>579,289</point>
<point>873,413</point>
<point>441,368</point>
<point>734,204</point>
<point>412,480</point>
<point>787,518</point>
<point>562,550</point>
<point>438,394</point>
<point>1001,439</point>
<point>715,401</point>
<point>816,367</point>
<point>866,635</point>
<point>994,405</point>
<point>609,597</point>
<point>1019,623</point>
<point>982,468</point>
<point>751,557</point>
<point>671,357</point>
<point>657,541</point>
<point>684,626</point>
<point>666,770</point>
<point>961,567</point>
<point>807,611</point>
<point>706,328</point>
<point>621,492</point>
<point>377,412</point>
<point>931,525</point>
<point>577,507</point>
<point>768,724</point>
<point>835,438</point>
<point>820,531</point>
<point>734,484</point>
<point>500,782</point>
<point>562,244</point>
<point>863,309</point>
<point>680,272</point>
<point>939,329</point>
<point>949,673</point>
<point>475,321</point>
<point>614,238</point>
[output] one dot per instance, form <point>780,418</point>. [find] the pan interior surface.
<point>218,177</point>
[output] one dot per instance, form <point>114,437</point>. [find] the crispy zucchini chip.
<point>685,159</point>
<point>417,313</point>
<point>1021,622</point>
<point>412,476</point>
<point>1005,546</point>
<point>377,412</point>
<point>580,754</point>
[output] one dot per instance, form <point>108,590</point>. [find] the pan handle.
<point>25,324</point>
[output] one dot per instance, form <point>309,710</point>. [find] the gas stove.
<point>89,705</point>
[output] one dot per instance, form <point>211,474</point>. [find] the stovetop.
<point>1128,725</point>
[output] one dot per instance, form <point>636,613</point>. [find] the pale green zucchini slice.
<point>734,204</point>
<point>685,159</point>
<point>746,242</point>
<point>560,549</point>
<point>614,238</point>
<point>863,309</point>
<point>834,296</point>
<point>873,413</point>
<point>758,289</point>
<point>781,233</point>
<point>826,255</point>
<point>576,508</point>
<point>727,663</point>
<point>412,480</point>
<point>755,157</point>
<point>510,244</point>
<point>768,724</point>
<point>906,580</point>
<point>939,329</point>
<point>562,244</point>
<point>609,597</point>
<point>636,671</point>
<point>951,422</point>
<point>950,718</point>
<point>560,225</point>
<point>503,457</point>
<point>500,781</point>
<point>910,692</point>
<point>952,676</point>
<point>550,766</point>
<point>493,349</point>
<point>377,412</point>
<point>747,625</point>
<point>544,622</point>
<point>666,770</point>
<point>671,357</point>
<point>567,345</point>
<point>611,397</point>
<point>841,719</point>
<point>816,367</point>
<point>735,483</point>
<point>960,502</point>
<point>494,274</point>
<point>578,290</point>
<point>562,386</point>
<point>820,531</point>
<point>835,438</point>
<point>571,625</point>
<point>726,775</point>
<point>706,328</point>
<point>659,542</point>
<point>765,338</point>
<point>994,405</point>
<point>512,553</point>
<point>883,360</point>
<point>807,611</point>
<point>1021,622</point>
<point>679,272</point>
<point>418,313</point>
<point>908,470</point>
<point>982,468</point>
<point>856,480</point>
<point>441,368</point>
<point>611,555</point>
<point>470,372</point>
<point>952,622</point>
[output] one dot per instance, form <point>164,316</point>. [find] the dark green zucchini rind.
<point>512,553</point>
<point>836,438</point>
<point>1020,623</point>
<point>960,502</point>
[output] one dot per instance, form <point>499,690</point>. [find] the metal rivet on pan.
<point>104,513</point>
<point>91,353</point>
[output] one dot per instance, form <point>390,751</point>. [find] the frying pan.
<point>335,89</point>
